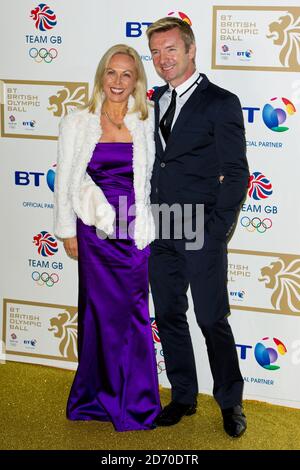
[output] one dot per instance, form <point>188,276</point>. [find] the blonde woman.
<point>103,216</point>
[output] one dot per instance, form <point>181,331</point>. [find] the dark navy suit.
<point>207,140</point>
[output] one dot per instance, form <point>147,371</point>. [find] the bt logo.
<point>50,177</point>
<point>134,29</point>
<point>273,117</point>
<point>30,342</point>
<point>248,53</point>
<point>25,178</point>
<point>265,356</point>
<point>29,123</point>
<point>238,295</point>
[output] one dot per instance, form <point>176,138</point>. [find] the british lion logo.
<point>283,277</point>
<point>286,33</point>
<point>64,327</point>
<point>68,98</point>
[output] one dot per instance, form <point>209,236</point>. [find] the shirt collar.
<point>185,85</point>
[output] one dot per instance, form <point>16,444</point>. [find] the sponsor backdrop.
<point>48,69</point>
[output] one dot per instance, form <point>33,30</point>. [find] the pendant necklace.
<point>119,126</point>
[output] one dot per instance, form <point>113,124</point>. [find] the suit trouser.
<point>172,269</point>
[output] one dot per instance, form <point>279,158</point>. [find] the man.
<point>200,159</point>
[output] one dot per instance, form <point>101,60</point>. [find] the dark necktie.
<point>167,119</point>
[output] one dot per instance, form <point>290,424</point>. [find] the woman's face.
<point>119,78</point>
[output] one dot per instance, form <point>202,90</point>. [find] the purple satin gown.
<point>116,379</point>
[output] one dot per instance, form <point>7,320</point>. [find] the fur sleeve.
<point>64,215</point>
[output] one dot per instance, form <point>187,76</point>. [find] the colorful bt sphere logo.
<point>267,356</point>
<point>51,178</point>
<point>182,16</point>
<point>274,117</point>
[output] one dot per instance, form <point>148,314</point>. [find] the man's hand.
<point>71,247</point>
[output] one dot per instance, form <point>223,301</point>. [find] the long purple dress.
<point>116,379</point>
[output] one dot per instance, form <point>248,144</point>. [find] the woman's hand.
<point>71,247</point>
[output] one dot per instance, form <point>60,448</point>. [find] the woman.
<point>106,152</point>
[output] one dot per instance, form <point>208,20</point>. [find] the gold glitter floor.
<point>32,416</point>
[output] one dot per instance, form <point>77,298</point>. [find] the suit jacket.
<point>76,194</point>
<point>207,140</point>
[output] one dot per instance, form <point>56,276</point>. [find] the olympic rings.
<point>261,226</point>
<point>45,278</point>
<point>161,366</point>
<point>43,55</point>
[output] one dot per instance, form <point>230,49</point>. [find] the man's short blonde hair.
<point>168,23</point>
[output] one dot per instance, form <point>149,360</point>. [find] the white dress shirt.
<point>184,91</point>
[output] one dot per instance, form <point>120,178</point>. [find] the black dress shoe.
<point>173,412</point>
<point>234,421</point>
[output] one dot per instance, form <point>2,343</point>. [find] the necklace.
<point>119,126</point>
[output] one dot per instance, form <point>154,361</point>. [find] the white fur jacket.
<point>76,195</point>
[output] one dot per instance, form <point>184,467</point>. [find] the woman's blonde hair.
<point>140,90</point>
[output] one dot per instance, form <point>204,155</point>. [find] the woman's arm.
<point>64,215</point>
